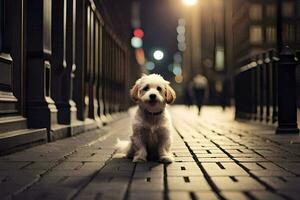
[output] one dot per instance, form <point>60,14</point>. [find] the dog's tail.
<point>123,145</point>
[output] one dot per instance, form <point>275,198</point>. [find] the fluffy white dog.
<point>151,138</point>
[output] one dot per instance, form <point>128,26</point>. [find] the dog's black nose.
<point>152,96</point>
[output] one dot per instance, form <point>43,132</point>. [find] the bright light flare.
<point>189,2</point>
<point>158,55</point>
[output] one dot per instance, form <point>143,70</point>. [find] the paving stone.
<point>182,166</point>
<point>193,183</point>
<point>147,184</point>
<point>57,193</point>
<point>265,195</point>
<point>214,160</point>
<point>224,169</point>
<point>283,183</point>
<point>237,183</point>
<point>148,174</point>
<point>69,165</point>
<point>76,160</point>
<point>235,196</point>
<point>5,165</point>
<point>184,159</point>
<point>149,166</point>
<point>181,173</point>
<point>290,166</point>
<point>212,155</point>
<point>206,195</point>
<point>149,196</point>
<point>179,195</point>
<point>40,165</point>
<point>261,166</point>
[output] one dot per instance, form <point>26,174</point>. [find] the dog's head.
<point>152,93</point>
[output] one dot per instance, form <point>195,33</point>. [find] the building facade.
<point>207,52</point>
<point>254,24</point>
<point>63,69</point>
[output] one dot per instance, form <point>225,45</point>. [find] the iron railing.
<point>265,90</point>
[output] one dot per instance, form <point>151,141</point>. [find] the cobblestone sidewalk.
<point>216,158</point>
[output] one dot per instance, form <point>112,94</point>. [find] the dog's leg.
<point>164,147</point>
<point>140,152</point>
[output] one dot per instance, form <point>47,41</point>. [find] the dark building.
<point>254,26</point>
<point>208,32</point>
<point>64,68</point>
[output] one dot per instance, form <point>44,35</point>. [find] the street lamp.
<point>158,55</point>
<point>189,2</point>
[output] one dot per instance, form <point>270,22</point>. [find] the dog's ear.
<point>170,94</point>
<point>134,92</point>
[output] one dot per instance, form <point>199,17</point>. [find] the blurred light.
<point>138,33</point>
<point>180,30</point>
<point>140,56</point>
<point>220,59</point>
<point>177,70</point>
<point>181,22</point>
<point>178,78</point>
<point>150,65</point>
<point>158,55</point>
<point>181,46</point>
<point>180,38</point>
<point>190,2</point>
<point>177,57</point>
<point>136,42</point>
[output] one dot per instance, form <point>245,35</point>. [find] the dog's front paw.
<point>139,159</point>
<point>166,159</point>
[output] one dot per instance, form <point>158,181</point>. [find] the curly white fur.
<point>151,138</point>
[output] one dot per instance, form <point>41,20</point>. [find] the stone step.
<point>20,139</point>
<point>12,123</point>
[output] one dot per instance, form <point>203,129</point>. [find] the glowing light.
<point>178,78</point>
<point>138,33</point>
<point>177,70</point>
<point>150,65</point>
<point>180,30</point>
<point>140,56</point>
<point>180,38</point>
<point>181,46</point>
<point>177,57</point>
<point>181,22</point>
<point>136,42</point>
<point>158,55</point>
<point>190,2</point>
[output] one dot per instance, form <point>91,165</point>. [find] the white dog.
<point>151,139</point>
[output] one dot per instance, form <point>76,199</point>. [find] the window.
<point>220,59</point>
<point>271,10</point>
<point>255,12</point>
<point>288,32</point>
<point>271,34</point>
<point>288,9</point>
<point>256,34</point>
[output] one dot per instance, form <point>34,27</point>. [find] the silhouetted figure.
<point>224,97</point>
<point>199,87</point>
<point>187,98</point>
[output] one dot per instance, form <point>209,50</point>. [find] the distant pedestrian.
<point>199,86</point>
<point>187,97</point>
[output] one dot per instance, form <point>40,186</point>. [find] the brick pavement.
<point>215,158</point>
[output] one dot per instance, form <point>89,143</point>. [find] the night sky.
<point>159,20</point>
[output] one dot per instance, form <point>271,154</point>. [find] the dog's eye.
<point>159,89</point>
<point>146,88</point>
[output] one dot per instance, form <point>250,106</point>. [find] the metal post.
<point>287,107</point>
